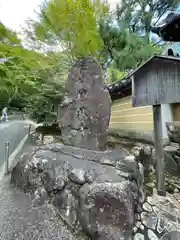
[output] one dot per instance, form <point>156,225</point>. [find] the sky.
<point>14,13</point>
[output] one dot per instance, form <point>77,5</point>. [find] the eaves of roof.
<point>125,83</point>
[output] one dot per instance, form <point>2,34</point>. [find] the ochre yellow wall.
<point>124,116</point>
<point>176,111</point>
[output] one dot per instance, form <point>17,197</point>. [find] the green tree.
<point>113,74</point>
<point>51,91</point>
<point>84,27</point>
<point>138,15</point>
<point>72,24</point>
<point>19,73</point>
<point>124,49</point>
<point>79,28</point>
<point>19,68</point>
<point>129,42</point>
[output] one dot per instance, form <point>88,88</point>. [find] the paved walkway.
<point>12,132</point>
<point>19,220</point>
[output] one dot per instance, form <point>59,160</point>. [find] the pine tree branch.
<point>157,43</point>
<point>165,10</point>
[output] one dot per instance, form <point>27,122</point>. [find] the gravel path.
<point>21,221</point>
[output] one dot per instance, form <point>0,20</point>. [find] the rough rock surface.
<point>173,129</point>
<point>174,137</point>
<point>159,219</point>
<point>145,154</point>
<point>95,192</point>
<point>84,116</point>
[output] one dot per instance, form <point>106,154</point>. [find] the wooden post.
<point>160,177</point>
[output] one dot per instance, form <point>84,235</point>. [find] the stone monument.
<point>85,114</point>
<point>97,194</point>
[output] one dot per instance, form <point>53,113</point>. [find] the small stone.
<point>150,200</point>
<point>57,147</point>
<point>137,217</point>
<point>174,235</point>
<point>137,153</point>
<point>122,174</point>
<point>153,201</point>
<point>147,150</point>
<point>40,196</point>
<point>168,209</point>
<point>48,181</point>
<point>152,235</point>
<point>155,193</point>
<point>73,132</point>
<point>141,196</point>
<point>149,219</point>
<point>77,176</point>
<point>176,190</point>
<point>107,161</point>
<point>171,227</point>
<point>142,227</point>
<point>58,184</point>
<point>161,225</point>
<point>156,210</point>
<point>48,139</point>
<point>138,236</point>
<point>138,224</point>
<point>139,209</point>
<point>147,207</point>
<point>177,196</point>
<point>141,171</point>
<point>170,149</point>
<point>90,176</point>
<point>130,158</point>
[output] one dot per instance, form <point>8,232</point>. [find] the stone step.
<point>173,144</point>
<point>170,149</point>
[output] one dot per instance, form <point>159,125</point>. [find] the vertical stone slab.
<point>86,113</point>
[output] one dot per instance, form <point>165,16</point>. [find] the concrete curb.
<point>16,151</point>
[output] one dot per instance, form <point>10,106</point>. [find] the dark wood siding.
<point>157,82</point>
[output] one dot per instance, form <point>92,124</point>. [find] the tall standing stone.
<point>85,115</point>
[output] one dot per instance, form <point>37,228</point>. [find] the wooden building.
<point>137,122</point>
<point>168,28</point>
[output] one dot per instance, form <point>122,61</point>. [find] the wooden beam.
<point>118,95</point>
<point>160,177</point>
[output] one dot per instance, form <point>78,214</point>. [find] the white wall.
<point>166,114</point>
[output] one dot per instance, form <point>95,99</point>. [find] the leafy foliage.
<point>124,49</point>
<point>128,42</point>
<point>35,78</point>
<point>73,24</point>
<point>20,69</point>
<point>43,105</point>
<point>137,15</point>
<point>86,27</point>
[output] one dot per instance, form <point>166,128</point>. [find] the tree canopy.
<point>35,74</point>
<point>73,24</point>
<point>139,14</point>
<point>82,28</point>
